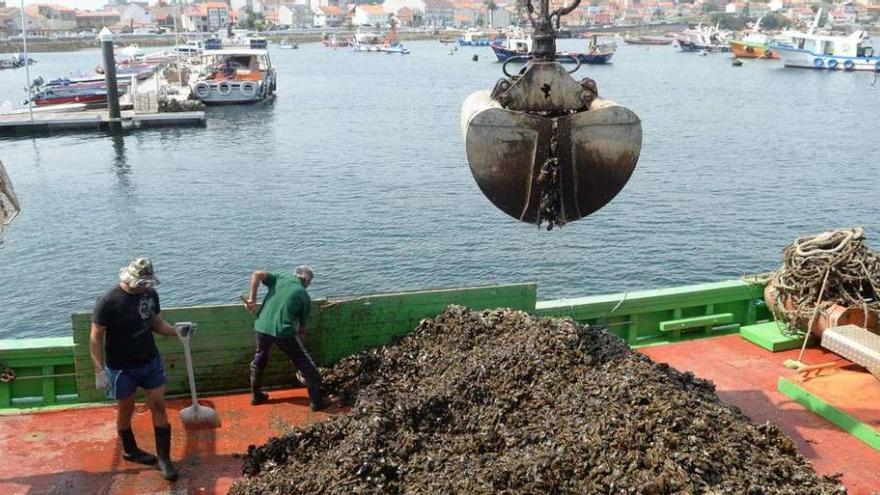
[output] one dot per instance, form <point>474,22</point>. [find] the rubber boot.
<point>257,395</point>
<point>318,398</point>
<point>130,450</point>
<point>163,452</point>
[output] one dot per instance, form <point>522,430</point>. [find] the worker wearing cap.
<point>281,321</point>
<point>125,357</point>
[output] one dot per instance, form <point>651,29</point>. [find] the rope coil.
<point>825,269</point>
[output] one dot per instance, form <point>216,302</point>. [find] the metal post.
<point>106,38</point>
<point>27,62</point>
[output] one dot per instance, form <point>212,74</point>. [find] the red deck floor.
<point>746,375</point>
<point>76,451</point>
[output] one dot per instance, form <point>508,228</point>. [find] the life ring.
<point>224,88</point>
<point>849,65</point>
<point>202,89</point>
<point>818,62</point>
<point>832,64</point>
<point>248,89</point>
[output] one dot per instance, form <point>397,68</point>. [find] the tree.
<point>775,20</point>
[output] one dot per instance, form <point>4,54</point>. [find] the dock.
<point>96,119</point>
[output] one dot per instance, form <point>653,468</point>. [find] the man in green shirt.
<point>281,321</point>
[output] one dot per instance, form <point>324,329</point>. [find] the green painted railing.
<point>667,315</point>
<point>59,370</point>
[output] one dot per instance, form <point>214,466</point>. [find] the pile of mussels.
<point>499,401</point>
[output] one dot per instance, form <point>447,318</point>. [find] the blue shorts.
<point>123,383</point>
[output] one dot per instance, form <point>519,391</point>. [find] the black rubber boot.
<point>130,450</point>
<point>318,399</point>
<point>163,452</point>
<point>257,395</point>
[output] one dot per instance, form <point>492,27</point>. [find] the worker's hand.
<point>185,328</point>
<point>250,306</point>
<point>102,381</point>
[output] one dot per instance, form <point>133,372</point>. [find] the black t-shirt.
<point>128,318</point>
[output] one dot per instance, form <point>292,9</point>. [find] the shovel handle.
<point>189,370</point>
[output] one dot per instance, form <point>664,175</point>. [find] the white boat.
<point>709,38</point>
<point>286,45</point>
<point>826,51</point>
<point>235,76</point>
<point>517,43</point>
<point>373,42</point>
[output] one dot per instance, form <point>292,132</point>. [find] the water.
<point>358,169</point>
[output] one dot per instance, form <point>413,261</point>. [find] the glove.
<point>185,328</point>
<point>102,381</point>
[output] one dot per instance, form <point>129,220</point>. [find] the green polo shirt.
<point>284,308</point>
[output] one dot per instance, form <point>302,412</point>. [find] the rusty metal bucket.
<point>597,151</point>
<point>543,147</point>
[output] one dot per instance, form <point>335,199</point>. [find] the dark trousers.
<point>294,349</point>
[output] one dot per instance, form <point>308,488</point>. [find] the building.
<point>10,22</point>
<point>333,16</point>
<point>135,14</point>
<point>205,17</point>
<point>369,15</point>
<point>87,20</point>
<point>296,15</point>
<point>439,13</point>
<point>51,17</point>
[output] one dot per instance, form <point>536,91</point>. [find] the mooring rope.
<point>824,269</point>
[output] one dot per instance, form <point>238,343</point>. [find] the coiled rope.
<point>824,269</point>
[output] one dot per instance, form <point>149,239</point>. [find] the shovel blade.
<point>597,151</point>
<point>197,417</point>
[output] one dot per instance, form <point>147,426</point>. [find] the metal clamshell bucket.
<point>597,151</point>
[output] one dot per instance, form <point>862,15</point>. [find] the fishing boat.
<point>235,75</point>
<point>473,37</point>
<point>755,44</point>
<point>597,53</point>
<point>369,42</point>
<point>517,43</point>
<point>708,38</point>
<point>721,331</point>
<point>826,51</point>
<point>647,40</point>
<point>286,45</point>
<point>16,62</point>
<point>330,41</point>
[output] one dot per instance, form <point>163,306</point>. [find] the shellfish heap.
<point>830,268</point>
<point>499,401</point>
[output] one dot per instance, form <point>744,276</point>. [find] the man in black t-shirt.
<point>125,357</point>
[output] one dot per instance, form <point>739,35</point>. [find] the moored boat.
<point>515,44</point>
<point>235,76</point>
<point>812,50</point>
<point>473,37</point>
<point>708,38</point>
<point>755,44</point>
<point>377,43</point>
<point>597,53</point>
<point>647,40</point>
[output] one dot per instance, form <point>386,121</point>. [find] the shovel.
<point>194,417</point>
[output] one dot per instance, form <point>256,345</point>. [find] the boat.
<point>16,62</point>
<point>647,40</point>
<point>330,41</point>
<point>517,43</point>
<point>754,45</point>
<point>235,75</point>
<point>376,43</point>
<point>597,53</point>
<point>473,37</point>
<point>719,331</point>
<point>286,45</point>
<point>91,94</point>
<point>708,38</point>
<point>826,51</point>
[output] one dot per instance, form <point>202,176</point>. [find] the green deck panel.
<point>863,431</point>
<point>769,336</point>
<point>697,322</point>
<point>225,343</point>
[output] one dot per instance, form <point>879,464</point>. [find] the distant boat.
<point>330,41</point>
<point>286,45</point>
<point>708,38</point>
<point>754,45</point>
<point>647,40</point>
<point>597,53</point>
<point>826,51</point>
<point>516,44</point>
<point>473,37</point>
<point>376,43</point>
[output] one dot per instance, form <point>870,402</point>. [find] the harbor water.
<point>358,169</point>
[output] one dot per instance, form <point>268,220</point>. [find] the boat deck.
<point>76,450</point>
<point>746,376</point>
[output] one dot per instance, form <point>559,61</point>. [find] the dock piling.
<point>106,37</point>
